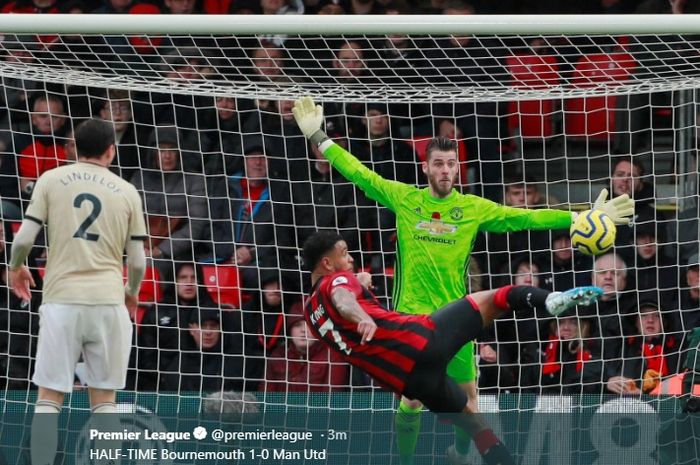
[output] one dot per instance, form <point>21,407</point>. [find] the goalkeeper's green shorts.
<point>462,367</point>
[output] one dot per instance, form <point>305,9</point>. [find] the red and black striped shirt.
<point>391,355</point>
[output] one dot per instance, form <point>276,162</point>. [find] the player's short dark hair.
<point>93,137</point>
<point>317,245</point>
<point>443,144</point>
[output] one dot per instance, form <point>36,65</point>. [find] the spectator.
<point>610,274</point>
<point>690,294</point>
<point>160,328</point>
<point>174,202</point>
<point>628,178</point>
<point>9,186</point>
<point>400,60</point>
<point>327,202</point>
<point>508,346</point>
<point>190,113</point>
<point>653,270</point>
<point>349,63</point>
<point>519,193</point>
<point>303,364</point>
<point>117,109</point>
<point>19,323</point>
<point>40,150</point>
<point>261,219</point>
<point>566,264</point>
<point>525,193</point>
<point>570,360</point>
<point>268,62</point>
<point>685,230</point>
<point>285,145</point>
<point>209,360</point>
<point>222,145</point>
<point>263,313</point>
<point>648,354</point>
<point>391,159</point>
<point>14,101</point>
<point>222,140</point>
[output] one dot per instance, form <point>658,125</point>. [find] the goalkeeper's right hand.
<point>620,209</point>
<point>309,118</point>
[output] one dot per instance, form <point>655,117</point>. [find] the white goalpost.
<point>546,110</point>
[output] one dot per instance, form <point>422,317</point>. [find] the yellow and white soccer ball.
<point>593,232</point>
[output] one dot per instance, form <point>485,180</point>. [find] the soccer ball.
<point>593,232</point>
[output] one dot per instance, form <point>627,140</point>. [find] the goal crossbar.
<point>360,24</point>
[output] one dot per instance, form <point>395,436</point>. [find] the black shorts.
<point>455,324</point>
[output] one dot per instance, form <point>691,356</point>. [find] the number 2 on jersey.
<point>82,232</point>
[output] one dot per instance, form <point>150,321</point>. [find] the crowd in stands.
<point>231,189</point>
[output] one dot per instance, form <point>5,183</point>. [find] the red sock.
<point>500,299</point>
<point>485,440</point>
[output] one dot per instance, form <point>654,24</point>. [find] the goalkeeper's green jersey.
<point>435,236</point>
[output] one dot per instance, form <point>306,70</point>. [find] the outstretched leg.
<point>492,304</point>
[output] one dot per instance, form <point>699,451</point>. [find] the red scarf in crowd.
<point>552,362</point>
<point>654,357</point>
<point>252,193</point>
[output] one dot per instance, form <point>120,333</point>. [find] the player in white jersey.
<point>92,217</point>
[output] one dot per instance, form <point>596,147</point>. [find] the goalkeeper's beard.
<point>441,188</point>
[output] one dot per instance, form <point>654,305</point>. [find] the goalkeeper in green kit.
<point>436,228</point>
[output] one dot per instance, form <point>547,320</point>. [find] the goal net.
<point>232,189</point>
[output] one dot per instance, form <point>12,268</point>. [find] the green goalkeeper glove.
<point>620,209</point>
<point>309,118</point>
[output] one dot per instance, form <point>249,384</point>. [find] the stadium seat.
<point>151,291</point>
<point>673,386</point>
<point>223,284</point>
<point>533,118</point>
<point>593,117</point>
<point>420,144</point>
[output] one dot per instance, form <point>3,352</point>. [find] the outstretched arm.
<point>499,218</point>
<point>309,118</point>
<point>346,303</point>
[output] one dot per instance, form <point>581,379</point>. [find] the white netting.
<point>553,112</point>
<point>397,67</point>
